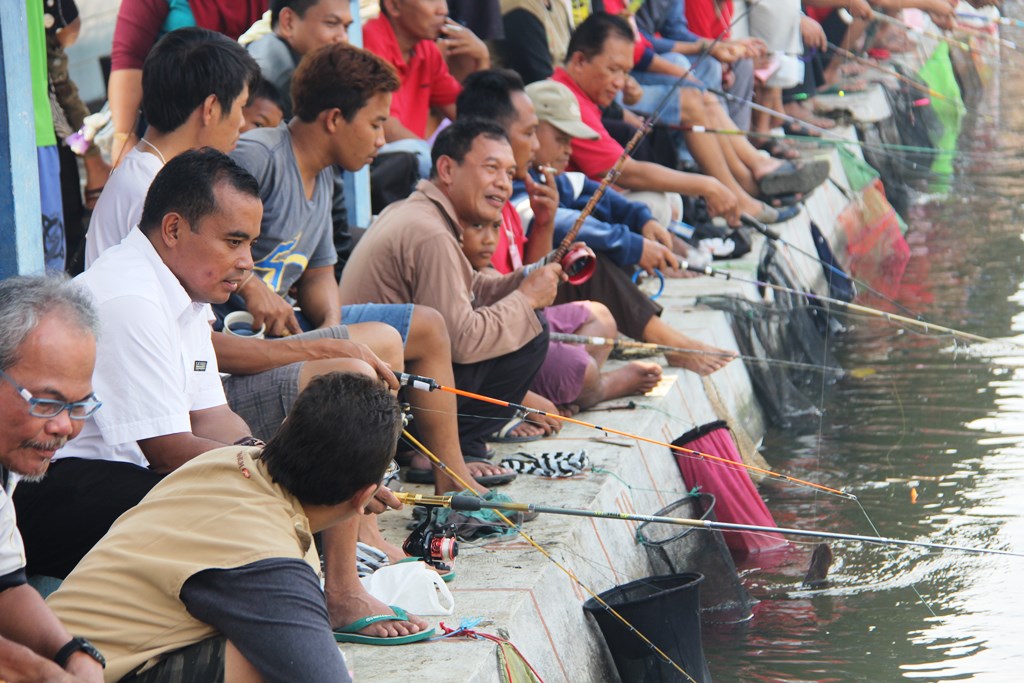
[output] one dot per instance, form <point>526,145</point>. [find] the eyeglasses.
<point>390,473</point>
<point>48,407</point>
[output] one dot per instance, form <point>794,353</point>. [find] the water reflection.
<point>922,414</point>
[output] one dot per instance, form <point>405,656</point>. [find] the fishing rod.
<point>428,384</point>
<point>889,72</point>
<point>873,312</point>
<point>881,16</point>
<point>836,141</point>
<point>581,263</point>
<point>774,236</point>
<point>1005,21</point>
<point>436,461</point>
<point>463,503</point>
<point>662,348</point>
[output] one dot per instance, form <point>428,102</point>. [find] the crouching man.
<point>214,575</point>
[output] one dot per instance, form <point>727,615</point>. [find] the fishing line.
<point>891,317</point>
<point>587,263</point>
<point>466,503</point>
<point>662,348</point>
<point>881,16</point>
<point>774,236</point>
<point>568,572</point>
<point>428,384</point>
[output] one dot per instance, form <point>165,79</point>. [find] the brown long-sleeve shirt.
<point>412,254</point>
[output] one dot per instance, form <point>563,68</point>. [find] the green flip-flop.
<point>447,576</point>
<point>348,634</point>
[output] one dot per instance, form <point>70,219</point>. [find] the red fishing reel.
<point>579,264</point>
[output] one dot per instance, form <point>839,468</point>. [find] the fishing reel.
<point>436,547</point>
<point>579,264</point>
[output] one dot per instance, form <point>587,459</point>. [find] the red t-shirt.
<point>503,260</point>
<point>426,81</point>
<point>709,18</point>
<point>591,157</point>
<point>819,14</point>
<point>641,45</point>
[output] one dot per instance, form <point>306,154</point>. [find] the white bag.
<point>413,586</point>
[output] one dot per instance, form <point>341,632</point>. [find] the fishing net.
<point>666,609</point>
<point>738,499</point>
<point>675,549</point>
<point>938,73</point>
<point>788,327</point>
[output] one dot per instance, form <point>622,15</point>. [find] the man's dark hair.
<point>590,36</point>
<point>297,6</point>
<point>342,76</point>
<point>339,437</point>
<point>488,95</point>
<point>457,139</point>
<point>186,186</point>
<point>188,65</point>
<point>265,90</point>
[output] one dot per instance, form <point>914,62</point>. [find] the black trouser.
<point>507,378</point>
<point>611,286</point>
<point>63,516</point>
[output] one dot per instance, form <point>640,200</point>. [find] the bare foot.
<point>704,360</point>
<point>527,428</point>
<point>355,603</point>
<point>568,410</point>
<point>370,534</point>
<point>550,425</point>
<point>637,377</point>
<point>802,113</point>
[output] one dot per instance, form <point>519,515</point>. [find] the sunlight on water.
<point>924,414</point>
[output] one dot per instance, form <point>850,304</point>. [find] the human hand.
<point>860,9</point>
<point>543,199</point>
<point>268,308</point>
<point>344,348</point>
<point>657,256</point>
<point>457,41</point>
<point>541,286</point>
<point>653,230</point>
<point>721,201</point>
<point>382,500</point>
<point>632,92</point>
<point>725,53</point>
<point>812,33</point>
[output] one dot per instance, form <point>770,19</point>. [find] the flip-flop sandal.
<point>792,177</point>
<point>349,634</point>
<point>782,200</point>
<point>415,475</point>
<point>504,435</point>
<point>779,149</point>
<point>770,215</point>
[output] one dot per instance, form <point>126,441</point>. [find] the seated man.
<point>47,352</point>
<point>195,84</point>
<point>415,36</point>
<point>158,372</point>
<point>341,96</point>
<point>412,253</point>
<point>215,575</point>
<point>499,95</point>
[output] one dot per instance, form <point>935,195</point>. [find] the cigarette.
<point>545,170</point>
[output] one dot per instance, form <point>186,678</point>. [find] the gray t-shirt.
<point>275,613</point>
<point>296,232</point>
<point>277,63</point>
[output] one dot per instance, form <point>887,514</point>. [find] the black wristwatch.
<point>78,645</point>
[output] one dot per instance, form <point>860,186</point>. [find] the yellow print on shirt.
<point>273,267</point>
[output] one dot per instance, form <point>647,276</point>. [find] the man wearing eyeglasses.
<point>47,353</point>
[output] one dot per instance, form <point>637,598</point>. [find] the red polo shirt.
<point>591,157</point>
<point>425,78</point>
<point>709,19</point>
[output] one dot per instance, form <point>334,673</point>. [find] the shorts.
<point>201,662</point>
<point>560,378</point>
<point>398,316</point>
<point>264,399</point>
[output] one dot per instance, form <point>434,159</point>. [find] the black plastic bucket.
<point>666,609</point>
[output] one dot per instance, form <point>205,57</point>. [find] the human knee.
<point>428,328</point>
<point>691,103</point>
<point>602,320</point>
<point>384,340</point>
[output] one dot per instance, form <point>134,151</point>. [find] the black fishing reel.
<point>436,547</point>
<point>579,264</point>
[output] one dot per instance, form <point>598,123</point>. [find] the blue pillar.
<point>357,185</point>
<point>21,236</point>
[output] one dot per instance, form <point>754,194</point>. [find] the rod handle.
<point>465,503</point>
<point>417,381</point>
<point>752,222</point>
